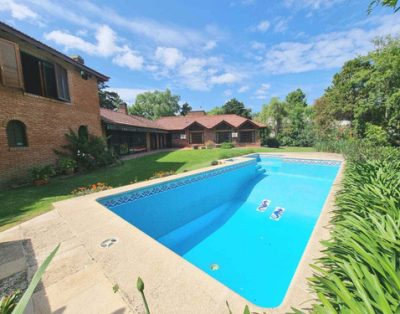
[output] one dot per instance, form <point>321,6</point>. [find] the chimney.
<point>196,113</point>
<point>78,59</point>
<point>123,108</point>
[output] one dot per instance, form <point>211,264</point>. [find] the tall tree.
<point>215,111</point>
<point>272,114</point>
<point>185,108</point>
<point>153,105</point>
<point>366,90</point>
<point>108,99</point>
<point>385,3</point>
<point>235,106</point>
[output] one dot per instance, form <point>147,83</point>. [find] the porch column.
<point>148,144</point>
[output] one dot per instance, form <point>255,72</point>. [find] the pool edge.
<point>210,294</point>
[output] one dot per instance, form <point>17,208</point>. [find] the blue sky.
<point>208,51</point>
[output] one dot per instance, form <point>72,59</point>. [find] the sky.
<point>208,51</point>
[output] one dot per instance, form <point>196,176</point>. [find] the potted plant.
<point>67,165</point>
<point>40,175</point>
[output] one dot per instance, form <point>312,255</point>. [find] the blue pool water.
<point>211,219</point>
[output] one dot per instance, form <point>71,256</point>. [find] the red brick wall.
<point>46,122</point>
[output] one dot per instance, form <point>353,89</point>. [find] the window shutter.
<point>9,64</point>
<point>62,83</point>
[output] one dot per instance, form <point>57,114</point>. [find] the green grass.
<point>24,203</point>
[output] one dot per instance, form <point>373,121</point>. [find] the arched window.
<point>16,134</point>
<point>83,132</point>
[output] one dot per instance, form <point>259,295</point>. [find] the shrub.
<point>93,188</point>
<point>89,152</point>
<point>272,142</point>
<point>359,270</point>
<point>227,145</point>
<point>209,144</point>
<point>214,163</point>
<point>376,135</point>
<point>162,174</point>
<point>66,163</point>
<point>42,172</point>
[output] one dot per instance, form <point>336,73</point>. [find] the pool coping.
<point>174,285</point>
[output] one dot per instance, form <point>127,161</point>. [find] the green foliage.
<point>140,287</point>
<point>359,271</point>
<point>215,111</point>
<point>272,114</point>
<point>108,99</point>
<point>227,145</point>
<point>66,163</point>
<point>384,3</point>
<point>9,302</point>
<point>366,90</point>
<point>42,172</point>
<point>214,163</point>
<point>21,306</point>
<point>235,106</point>
<point>185,108</point>
<point>272,142</point>
<point>88,152</point>
<point>153,105</point>
<point>375,135</point>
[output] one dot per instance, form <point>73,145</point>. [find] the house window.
<point>44,78</point>
<point>83,132</point>
<point>196,137</point>
<point>16,134</point>
<point>222,137</point>
<point>247,136</point>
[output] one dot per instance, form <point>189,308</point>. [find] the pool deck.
<point>81,277</point>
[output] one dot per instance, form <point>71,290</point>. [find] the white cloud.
<point>129,58</point>
<point>225,78</point>
<point>17,10</point>
<point>243,89</point>
<point>310,4</point>
<point>210,45</point>
<point>169,57</point>
<point>128,94</point>
<point>280,25</point>
<point>328,50</point>
<point>263,26</point>
<point>256,45</point>
<point>262,92</point>
<point>105,46</point>
<point>227,92</point>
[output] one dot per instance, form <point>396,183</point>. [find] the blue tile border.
<point>126,197</point>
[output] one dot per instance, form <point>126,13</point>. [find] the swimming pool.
<point>211,220</point>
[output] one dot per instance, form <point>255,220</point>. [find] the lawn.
<point>21,204</point>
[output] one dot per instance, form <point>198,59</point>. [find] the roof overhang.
<point>14,32</point>
<point>112,126</point>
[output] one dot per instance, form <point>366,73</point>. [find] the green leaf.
<point>20,308</point>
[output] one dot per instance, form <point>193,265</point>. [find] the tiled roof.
<point>116,117</point>
<point>209,122</point>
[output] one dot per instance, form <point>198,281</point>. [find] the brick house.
<point>197,128</point>
<point>43,93</point>
<point>134,133</point>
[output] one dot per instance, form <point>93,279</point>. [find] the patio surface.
<point>81,277</point>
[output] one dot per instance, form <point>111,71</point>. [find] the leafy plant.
<point>10,305</point>
<point>92,188</point>
<point>272,142</point>
<point>359,271</point>
<point>227,145</point>
<point>66,163</point>
<point>214,163</point>
<point>42,172</point>
<point>89,152</point>
<point>9,302</point>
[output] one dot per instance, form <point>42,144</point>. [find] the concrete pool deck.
<point>81,277</point>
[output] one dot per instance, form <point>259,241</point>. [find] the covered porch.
<point>128,140</point>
